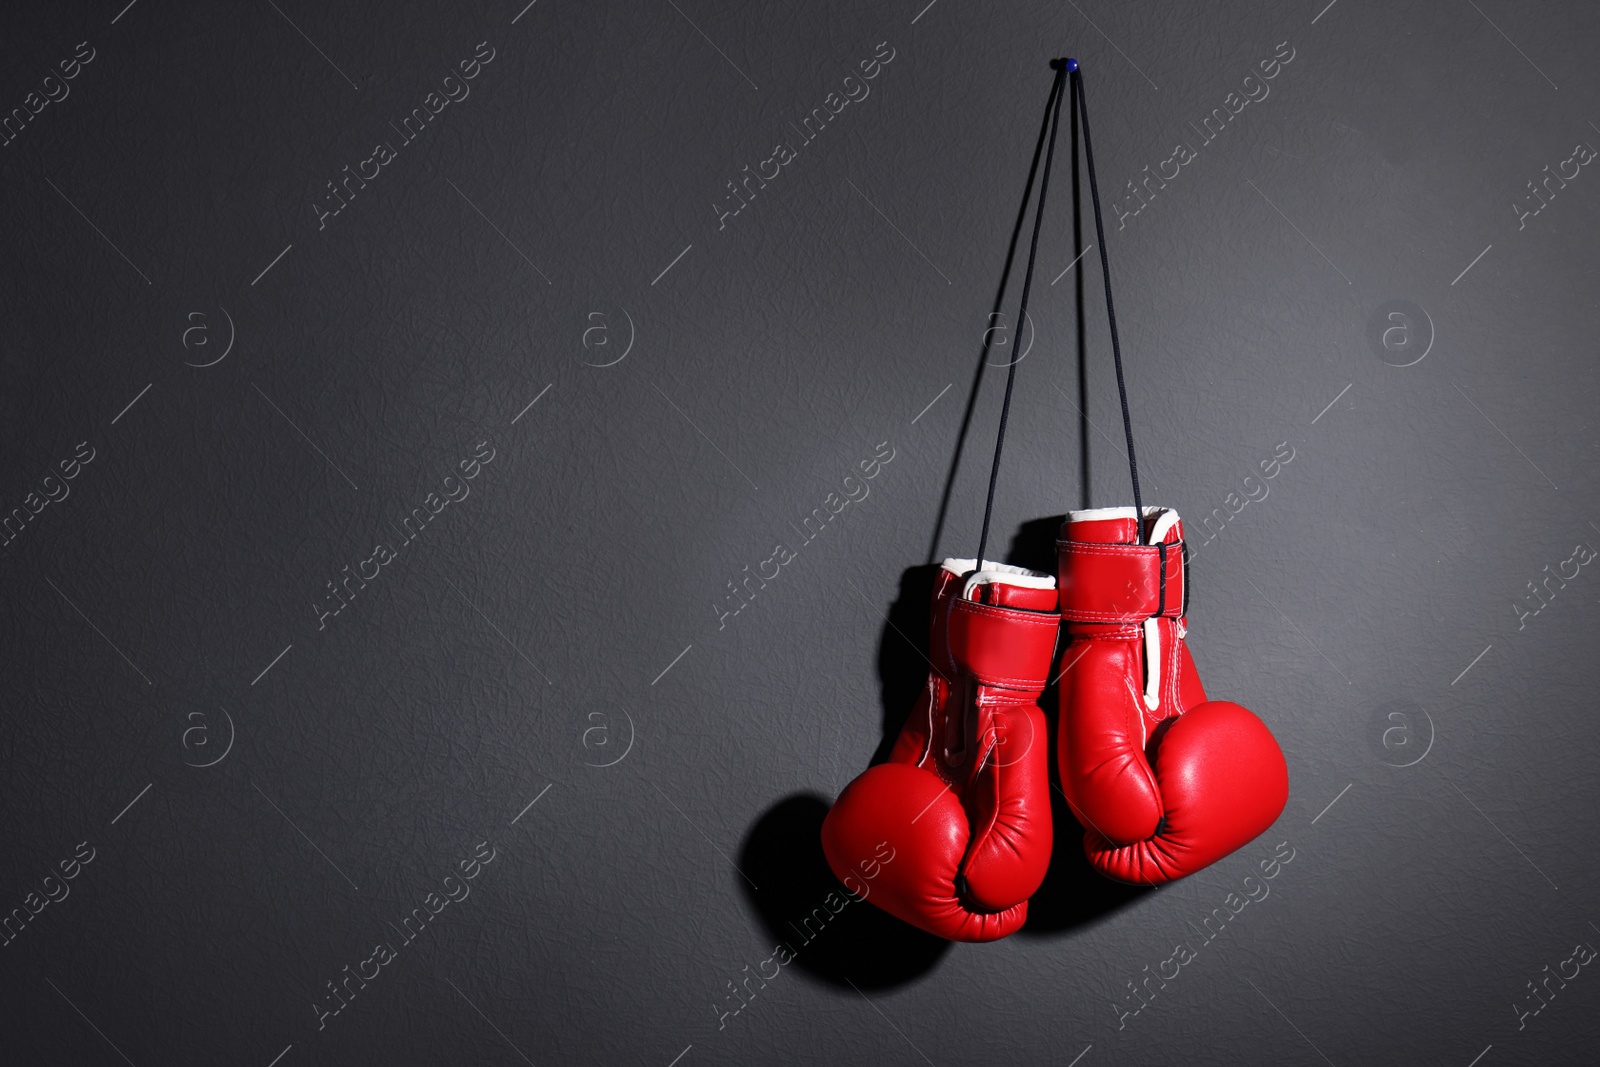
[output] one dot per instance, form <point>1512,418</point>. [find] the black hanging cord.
<point>1054,104</point>
<point>1111,314</point>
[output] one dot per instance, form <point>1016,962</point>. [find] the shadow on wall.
<point>857,942</point>
<point>842,941</point>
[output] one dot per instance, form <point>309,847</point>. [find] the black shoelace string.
<point>1111,313</point>
<point>1064,67</point>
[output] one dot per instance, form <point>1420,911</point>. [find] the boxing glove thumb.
<point>1222,781</point>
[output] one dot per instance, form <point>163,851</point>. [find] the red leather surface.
<point>1003,646</point>
<point>1209,776</point>
<point>1223,781</point>
<point>1006,595</point>
<point>1113,531</point>
<point>926,826</point>
<point>965,797</point>
<point>1104,773</point>
<point>1119,583</point>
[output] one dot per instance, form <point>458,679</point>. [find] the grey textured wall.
<point>541,322</point>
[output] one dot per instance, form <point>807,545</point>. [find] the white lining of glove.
<point>1098,514</point>
<point>997,573</point>
<point>1152,664</point>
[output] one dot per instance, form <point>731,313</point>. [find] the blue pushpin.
<point>1072,65</point>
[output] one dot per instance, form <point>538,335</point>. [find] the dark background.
<point>559,635</point>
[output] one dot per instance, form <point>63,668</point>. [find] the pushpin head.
<point>1072,65</point>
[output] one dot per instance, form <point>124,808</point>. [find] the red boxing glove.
<point>1165,781</point>
<point>963,804</point>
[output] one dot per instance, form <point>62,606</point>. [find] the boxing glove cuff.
<point>1004,647</point>
<point>1128,583</point>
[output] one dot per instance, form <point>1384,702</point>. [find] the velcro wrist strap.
<point>1005,647</point>
<point>1122,583</point>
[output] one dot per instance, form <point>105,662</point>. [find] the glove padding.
<point>1164,781</point>
<point>1220,781</point>
<point>964,800</point>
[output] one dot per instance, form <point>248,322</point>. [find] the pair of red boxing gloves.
<point>1164,781</point>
